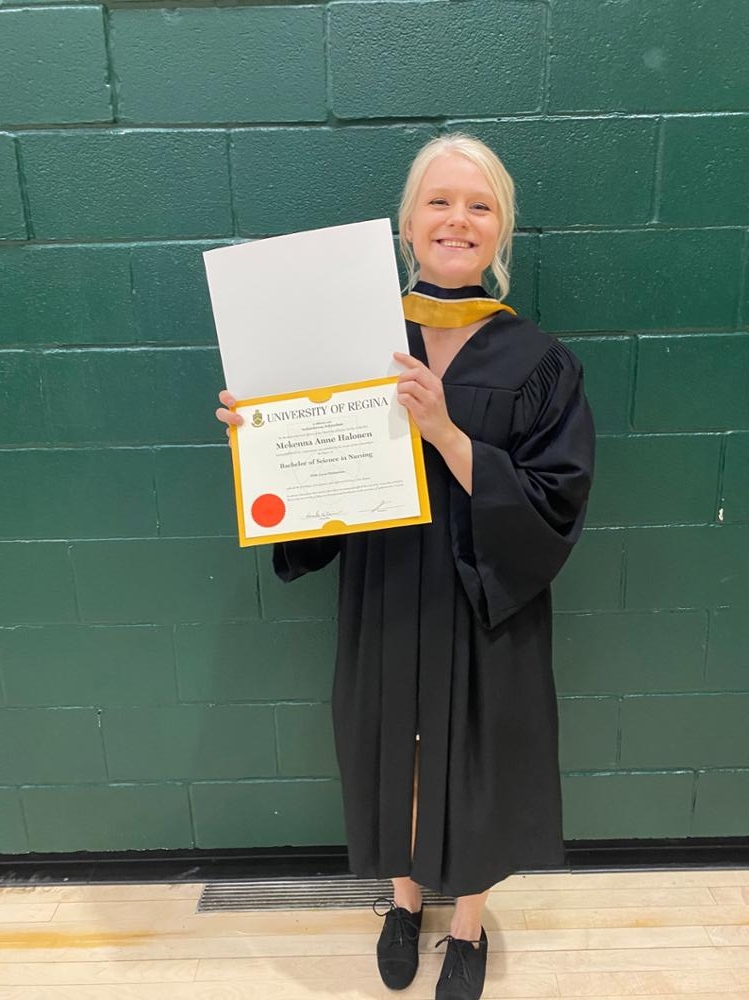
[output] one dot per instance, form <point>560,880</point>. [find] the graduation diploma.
<point>309,309</point>
<point>327,461</point>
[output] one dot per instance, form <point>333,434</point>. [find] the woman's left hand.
<point>421,392</point>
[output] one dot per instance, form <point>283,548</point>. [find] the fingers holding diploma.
<point>421,392</point>
<point>225,414</point>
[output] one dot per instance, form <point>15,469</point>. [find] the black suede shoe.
<point>464,969</point>
<point>398,946</point>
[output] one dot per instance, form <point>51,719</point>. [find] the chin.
<point>454,276</point>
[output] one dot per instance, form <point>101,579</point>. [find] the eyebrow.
<point>486,195</point>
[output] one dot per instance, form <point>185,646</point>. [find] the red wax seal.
<point>268,510</point>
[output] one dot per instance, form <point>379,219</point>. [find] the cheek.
<point>420,241</point>
<point>421,227</point>
<point>491,238</point>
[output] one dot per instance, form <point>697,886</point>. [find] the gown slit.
<point>415,805</point>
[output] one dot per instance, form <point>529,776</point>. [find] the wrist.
<point>449,439</point>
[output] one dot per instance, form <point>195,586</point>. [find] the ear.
<point>407,231</point>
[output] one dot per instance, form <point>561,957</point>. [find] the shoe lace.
<point>397,918</point>
<point>456,952</point>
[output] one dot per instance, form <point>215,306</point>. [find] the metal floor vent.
<point>317,892</point>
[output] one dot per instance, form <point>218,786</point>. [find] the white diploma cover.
<point>307,325</point>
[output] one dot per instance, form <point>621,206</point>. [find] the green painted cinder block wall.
<point>158,687</point>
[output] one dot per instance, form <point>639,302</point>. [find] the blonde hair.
<point>500,183</point>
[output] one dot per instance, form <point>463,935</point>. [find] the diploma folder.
<point>318,309</point>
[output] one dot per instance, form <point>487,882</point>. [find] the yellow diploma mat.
<point>327,461</point>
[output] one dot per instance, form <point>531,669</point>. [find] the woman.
<point>444,705</point>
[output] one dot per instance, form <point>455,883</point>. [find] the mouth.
<point>456,244</point>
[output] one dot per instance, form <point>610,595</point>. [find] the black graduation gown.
<point>445,628</point>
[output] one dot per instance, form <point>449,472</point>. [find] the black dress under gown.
<point>445,628</point>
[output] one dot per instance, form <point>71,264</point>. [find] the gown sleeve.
<point>513,534</point>
<point>293,559</point>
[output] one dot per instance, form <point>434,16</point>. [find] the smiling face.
<point>454,227</point>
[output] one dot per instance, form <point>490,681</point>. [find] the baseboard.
<point>214,865</point>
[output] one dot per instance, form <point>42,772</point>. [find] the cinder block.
<point>132,396</point>
<point>640,280</point>
<point>253,64</point>
<point>12,222</point>
<point>591,577</point>
<point>40,746</point>
<point>22,419</point>
<point>267,813</point>
<point>618,155</point>
<point>687,567</point>
<point>607,364</point>
<point>255,661</point>
<point>613,806</point>
<point>195,490</point>
<point>304,178</point>
<point>587,733</point>
<point>655,479</point>
<point>36,585</point>
<point>692,382</point>
<point>641,56</point>
<point>107,817</point>
<point>705,170</point>
<point>190,741</point>
<point>721,808</point>
<point>305,741</point>
<point>13,839</point>
<point>66,295</point>
<point>53,66</point>
<point>735,500</point>
<point>727,649</point>
<point>95,665</point>
<point>685,731</point>
<point>170,294</point>
<point>523,268</point>
<point>165,580</point>
<point>629,652</point>
<point>424,59</point>
<point>127,184</point>
<point>97,493</point>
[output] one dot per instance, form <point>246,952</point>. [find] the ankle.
<point>412,905</point>
<point>466,930</point>
<point>409,899</point>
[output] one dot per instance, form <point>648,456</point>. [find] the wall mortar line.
<point>623,570</point>
<point>719,497</point>
<point>24,818</point>
<point>709,613</point>
<point>546,63</point>
<point>230,169</point>
<point>660,142</point>
<point>23,188</point>
<point>112,79</point>
<point>743,283</point>
<point>328,68</point>
<point>187,785</point>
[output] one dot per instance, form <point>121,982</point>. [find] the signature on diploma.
<point>381,507</point>
<point>322,515</point>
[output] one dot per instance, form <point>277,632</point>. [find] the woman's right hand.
<point>225,415</point>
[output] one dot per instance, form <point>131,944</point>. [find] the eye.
<point>481,205</point>
<point>438,201</point>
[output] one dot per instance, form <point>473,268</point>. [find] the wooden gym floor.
<point>677,933</point>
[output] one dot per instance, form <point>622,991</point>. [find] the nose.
<point>458,216</point>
